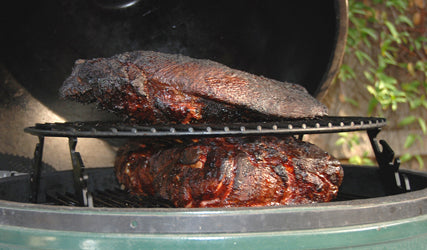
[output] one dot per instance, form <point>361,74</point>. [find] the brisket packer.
<point>230,171</point>
<point>155,88</point>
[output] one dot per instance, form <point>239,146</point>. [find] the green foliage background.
<point>388,38</point>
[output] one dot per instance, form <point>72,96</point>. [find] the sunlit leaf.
<point>404,19</point>
<point>367,42</point>
<point>420,65</point>
<point>340,141</point>
<point>389,58</point>
<point>416,102</point>
<point>355,160</point>
<point>362,56</point>
<point>419,43</point>
<point>411,86</point>
<point>343,134</point>
<point>405,157</point>
<point>410,140</point>
<point>382,65</point>
<point>420,161</point>
<point>386,79</point>
<point>355,139</point>
<point>368,162</point>
<point>370,32</point>
<point>359,11</point>
<point>385,45</point>
<point>371,90</point>
<point>407,120</point>
<point>394,106</point>
<point>346,72</point>
<point>422,124</point>
<point>398,4</point>
<point>368,76</point>
<point>359,57</point>
<point>393,31</point>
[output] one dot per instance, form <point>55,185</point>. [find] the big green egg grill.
<point>85,208</point>
<point>380,207</point>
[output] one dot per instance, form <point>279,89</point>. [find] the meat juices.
<point>230,172</point>
<point>156,88</point>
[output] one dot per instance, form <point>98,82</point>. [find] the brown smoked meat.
<point>230,172</point>
<point>155,88</point>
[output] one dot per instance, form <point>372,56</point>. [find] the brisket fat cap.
<point>157,87</point>
<point>230,172</point>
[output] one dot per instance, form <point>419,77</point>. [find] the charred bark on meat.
<point>230,172</point>
<point>163,88</point>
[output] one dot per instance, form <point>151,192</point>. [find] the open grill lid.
<point>263,38</point>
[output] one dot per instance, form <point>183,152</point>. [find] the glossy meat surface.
<point>230,172</point>
<point>155,87</point>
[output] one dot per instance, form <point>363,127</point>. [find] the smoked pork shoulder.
<point>230,172</point>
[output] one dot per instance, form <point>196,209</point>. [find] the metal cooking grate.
<point>329,124</point>
<point>116,198</point>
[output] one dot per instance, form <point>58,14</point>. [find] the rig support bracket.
<point>36,171</point>
<point>83,196</point>
<point>394,181</point>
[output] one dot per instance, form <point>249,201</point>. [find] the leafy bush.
<point>388,36</point>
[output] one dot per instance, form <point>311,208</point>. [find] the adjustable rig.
<point>394,181</point>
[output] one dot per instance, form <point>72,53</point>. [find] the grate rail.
<point>328,124</point>
<point>114,198</point>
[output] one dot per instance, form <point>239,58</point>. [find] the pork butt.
<point>230,172</point>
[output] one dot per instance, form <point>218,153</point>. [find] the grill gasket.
<point>97,129</point>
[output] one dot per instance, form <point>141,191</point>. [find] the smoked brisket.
<point>156,88</point>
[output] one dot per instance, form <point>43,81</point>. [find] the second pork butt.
<point>230,172</point>
<point>154,87</point>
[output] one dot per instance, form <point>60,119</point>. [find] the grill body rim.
<point>216,220</point>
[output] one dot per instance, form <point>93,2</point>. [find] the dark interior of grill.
<point>283,41</point>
